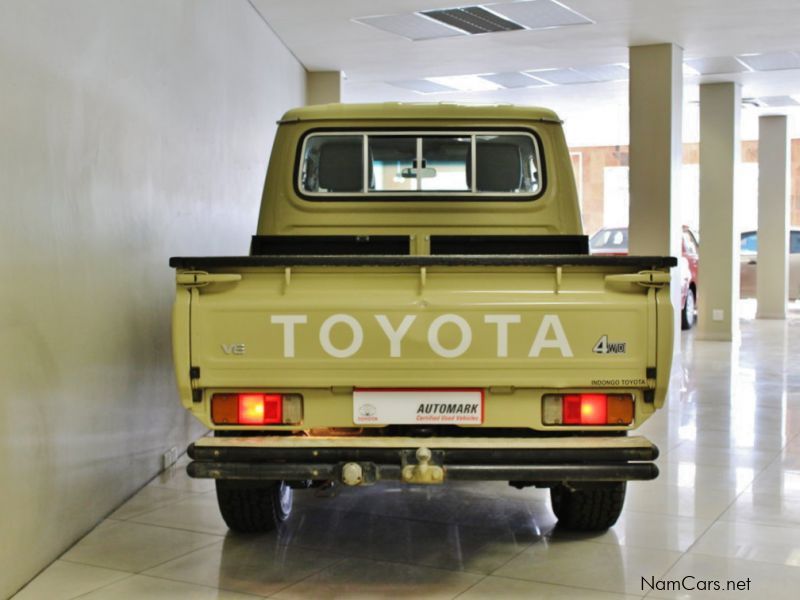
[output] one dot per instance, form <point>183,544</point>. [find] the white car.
<point>749,264</point>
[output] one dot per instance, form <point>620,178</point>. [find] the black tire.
<point>688,315</point>
<point>254,507</point>
<point>589,507</point>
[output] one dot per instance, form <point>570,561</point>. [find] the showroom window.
<point>420,165</point>
<point>750,242</point>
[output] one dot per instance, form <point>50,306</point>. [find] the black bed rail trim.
<point>519,260</point>
<point>509,244</point>
<point>334,245</point>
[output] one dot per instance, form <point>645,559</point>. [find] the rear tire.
<point>590,507</point>
<point>688,316</point>
<point>254,507</point>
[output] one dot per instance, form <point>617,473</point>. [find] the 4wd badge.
<point>603,346</point>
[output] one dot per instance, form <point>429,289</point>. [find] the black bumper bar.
<point>326,464</point>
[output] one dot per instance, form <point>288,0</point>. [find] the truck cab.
<point>419,305</point>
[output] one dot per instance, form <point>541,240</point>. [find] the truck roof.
<point>418,110</point>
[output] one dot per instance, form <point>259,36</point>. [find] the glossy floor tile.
<point>251,564</point>
<point>69,580</point>
<point>134,547</point>
<point>361,578</point>
<point>726,508</point>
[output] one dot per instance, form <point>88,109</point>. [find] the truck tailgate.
<point>425,322</point>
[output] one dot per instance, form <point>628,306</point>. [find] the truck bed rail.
<point>452,260</point>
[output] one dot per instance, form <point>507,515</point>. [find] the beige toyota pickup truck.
<point>419,305</point>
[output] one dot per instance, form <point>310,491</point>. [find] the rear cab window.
<point>420,166</point>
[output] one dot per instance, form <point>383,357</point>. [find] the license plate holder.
<point>418,407</point>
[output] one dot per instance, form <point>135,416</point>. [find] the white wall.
<point>129,132</point>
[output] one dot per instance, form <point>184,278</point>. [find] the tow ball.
<point>423,471</point>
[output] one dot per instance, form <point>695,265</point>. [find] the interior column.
<point>656,152</point>
<point>323,87</point>
<point>773,217</point>
<point>718,269</point>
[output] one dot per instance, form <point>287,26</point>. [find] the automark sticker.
<point>410,407</point>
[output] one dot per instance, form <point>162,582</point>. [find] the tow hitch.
<point>424,471</point>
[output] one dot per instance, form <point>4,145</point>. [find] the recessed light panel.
<point>411,26</point>
<point>539,14</point>
<point>423,86</point>
<point>776,101</point>
<point>773,61</point>
<point>473,19</point>
<point>465,83</point>
<point>514,80</point>
<point>606,72</point>
<point>716,65</point>
<point>561,76</point>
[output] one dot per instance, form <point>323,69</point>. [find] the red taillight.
<point>273,404</point>
<point>250,409</point>
<point>587,409</point>
<point>254,408</point>
<point>584,409</point>
<point>259,409</point>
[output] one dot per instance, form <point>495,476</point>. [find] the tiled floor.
<point>726,507</point>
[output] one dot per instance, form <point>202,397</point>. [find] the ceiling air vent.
<point>473,19</point>
<point>485,18</point>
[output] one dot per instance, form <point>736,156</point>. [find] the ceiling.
<point>324,35</point>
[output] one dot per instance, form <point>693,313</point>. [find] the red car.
<point>614,240</point>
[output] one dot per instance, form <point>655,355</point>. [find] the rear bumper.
<point>366,460</point>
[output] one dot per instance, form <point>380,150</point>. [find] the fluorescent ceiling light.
<point>423,86</point>
<point>473,19</point>
<point>772,61</point>
<point>716,65</point>
<point>411,26</point>
<point>561,76</point>
<point>514,79</point>
<point>618,72</point>
<point>775,101</point>
<point>539,14</point>
<point>465,83</point>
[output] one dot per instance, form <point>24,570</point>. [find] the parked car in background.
<point>748,261</point>
<point>614,241</point>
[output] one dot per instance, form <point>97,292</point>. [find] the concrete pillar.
<point>718,276</point>
<point>773,217</point>
<point>656,151</point>
<point>323,87</point>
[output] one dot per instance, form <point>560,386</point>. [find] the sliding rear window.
<point>420,166</point>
